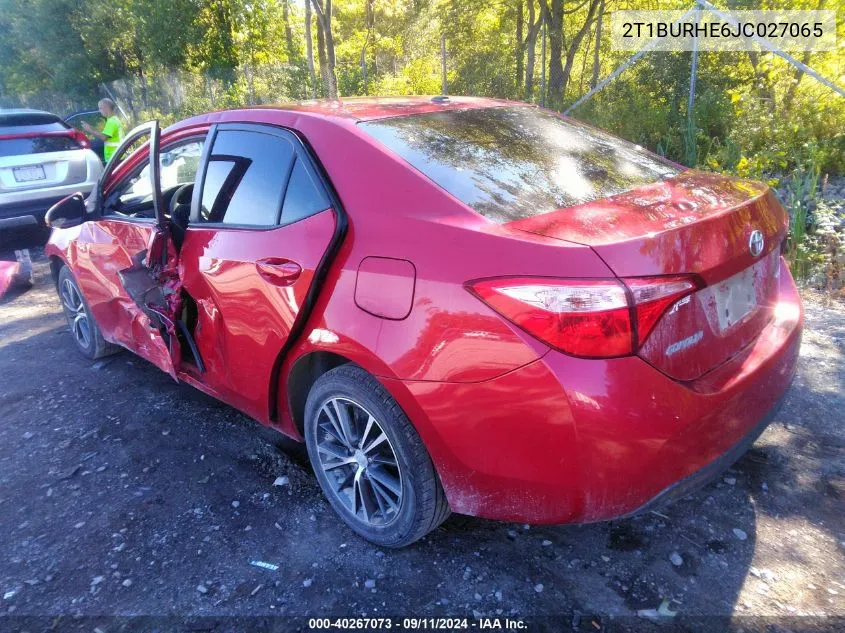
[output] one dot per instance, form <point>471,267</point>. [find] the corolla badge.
<point>683,344</point>
<point>756,243</point>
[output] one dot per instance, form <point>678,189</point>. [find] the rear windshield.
<point>30,122</point>
<point>36,145</point>
<point>515,162</point>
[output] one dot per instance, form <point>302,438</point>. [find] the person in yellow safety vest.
<point>112,132</point>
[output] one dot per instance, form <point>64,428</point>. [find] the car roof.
<point>23,111</point>
<point>352,109</point>
<point>369,108</point>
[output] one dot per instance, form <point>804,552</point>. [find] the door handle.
<point>278,271</point>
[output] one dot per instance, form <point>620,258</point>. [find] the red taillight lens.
<point>80,138</point>
<point>589,318</point>
<point>653,296</point>
<point>581,318</point>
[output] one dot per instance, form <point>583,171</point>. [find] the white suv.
<point>42,160</point>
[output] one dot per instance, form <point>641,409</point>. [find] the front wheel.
<point>369,460</point>
<point>83,328</point>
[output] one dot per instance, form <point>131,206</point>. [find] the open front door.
<point>151,280</point>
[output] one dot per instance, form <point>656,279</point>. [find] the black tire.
<point>423,504</point>
<point>92,346</point>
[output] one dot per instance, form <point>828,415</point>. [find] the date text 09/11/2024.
<point>413,624</point>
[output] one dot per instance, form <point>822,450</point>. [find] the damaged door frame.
<point>152,281</point>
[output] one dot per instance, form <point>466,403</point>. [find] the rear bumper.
<point>572,440</point>
<point>711,471</point>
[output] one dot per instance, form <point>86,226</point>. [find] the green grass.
<point>801,191</point>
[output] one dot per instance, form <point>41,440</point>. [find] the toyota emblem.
<point>756,243</point>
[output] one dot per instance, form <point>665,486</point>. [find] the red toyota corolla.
<point>459,304</point>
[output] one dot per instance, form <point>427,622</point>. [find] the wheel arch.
<point>56,265</point>
<point>304,372</point>
<point>312,361</point>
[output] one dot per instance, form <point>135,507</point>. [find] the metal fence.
<point>174,94</point>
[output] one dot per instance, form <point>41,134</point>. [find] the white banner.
<point>723,31</point>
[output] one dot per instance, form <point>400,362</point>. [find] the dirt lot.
<point>122,492</point>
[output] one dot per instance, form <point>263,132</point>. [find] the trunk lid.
<point>692,224</point>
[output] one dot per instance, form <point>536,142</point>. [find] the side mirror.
<point>67,212</point>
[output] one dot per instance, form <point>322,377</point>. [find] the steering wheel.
<point>182,196</point>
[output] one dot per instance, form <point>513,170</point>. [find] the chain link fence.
<point>59,103</point>
<point>171,95</point>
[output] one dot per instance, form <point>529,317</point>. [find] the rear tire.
<point>369,460</point>
<point>83,328</point>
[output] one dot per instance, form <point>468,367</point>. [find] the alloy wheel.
<point>359,462</point>
<point>76,315</point>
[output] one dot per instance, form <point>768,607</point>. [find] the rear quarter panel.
<point>396,212</point>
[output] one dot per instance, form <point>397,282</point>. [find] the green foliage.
<point>753,113</point>
<point>801,190</point>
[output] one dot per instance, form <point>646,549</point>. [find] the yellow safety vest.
<point>113,129</point>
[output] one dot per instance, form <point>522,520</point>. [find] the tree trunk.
<point>534,24</point>
<point>797,73</point>
<point>520,50</point>
<point>330,50</point>
<point>584,58</point>
<point>291,49</point>
<point>142,81</point>
<point>559,72</point>
<point>321,55</point>
<point>595,78</point>
<point>309,50</point>
<point>364,67</point>
<point>530,47</point>
<point>325,42</point>
<point>572,49</point>
<point>250,83</point>
<point>763,87</point>
<point>553,15</point>
<point>371,22</point>
<point>444,88</point>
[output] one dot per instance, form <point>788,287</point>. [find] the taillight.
<point>653,296</point>
<point>594,318</point>
<point>80,138</point>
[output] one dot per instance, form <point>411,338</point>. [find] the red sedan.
<point>459,304</point>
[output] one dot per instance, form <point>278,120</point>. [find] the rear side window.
<point>36,145</point>
<point>303,196</point>
<point>515,162</point>
<point>245,178</point>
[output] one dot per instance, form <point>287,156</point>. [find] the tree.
<point>325,44</point>
<point>216,52</point>
<point>535,22</point>
<point>559,72</point>
<point>178,57</point>
<point>370,18</point>
<point>596,62</point>
<point>520,52</point>
<point>309,50</point>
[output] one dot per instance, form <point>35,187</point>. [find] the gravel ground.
<point>124,493</point>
